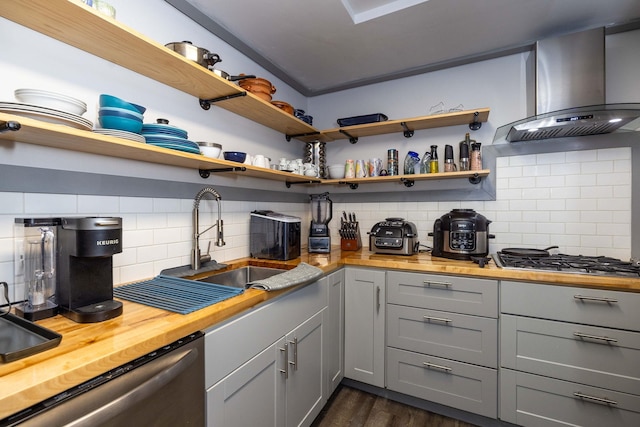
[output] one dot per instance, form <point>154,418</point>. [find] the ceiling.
<point>323,46</point>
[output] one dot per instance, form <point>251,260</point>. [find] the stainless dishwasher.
<point>162,388</point>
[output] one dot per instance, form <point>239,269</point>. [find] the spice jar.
<point>465,146</point>
<point>475,160</point>
<point>449,165</point>
<point>392,161</point>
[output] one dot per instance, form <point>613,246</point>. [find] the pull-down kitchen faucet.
<point>196,258</point>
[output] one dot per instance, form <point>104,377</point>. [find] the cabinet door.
<point>364,318</point>
<point>305,378</point>
<point>334,328</point>
<point>253,394</point>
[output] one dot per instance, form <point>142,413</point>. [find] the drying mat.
<point>174,294</point>
<point>303,273</point>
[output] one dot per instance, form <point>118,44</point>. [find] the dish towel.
<point>303,273</point>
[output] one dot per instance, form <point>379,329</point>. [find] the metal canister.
<point>392,161</point>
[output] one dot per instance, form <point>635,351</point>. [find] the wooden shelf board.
<point>399,178</point>
<point>415,123</point>
<point>78,25</point>
<point>59,136</point>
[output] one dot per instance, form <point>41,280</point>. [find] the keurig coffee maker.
<point>86,246</point>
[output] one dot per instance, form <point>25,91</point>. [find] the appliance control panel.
<point>462,240</point>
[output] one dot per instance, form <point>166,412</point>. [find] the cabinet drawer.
<point>455,336</point>
<point>532,400</point>
<point>448,293</point>
<point>597,307</point>
<point>459,385</point>
<point>602,357</point>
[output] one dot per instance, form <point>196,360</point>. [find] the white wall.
<point>577,200</point>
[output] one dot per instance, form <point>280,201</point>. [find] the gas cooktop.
<point>562,263</point>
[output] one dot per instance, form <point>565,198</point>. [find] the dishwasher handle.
<point>164,370</point>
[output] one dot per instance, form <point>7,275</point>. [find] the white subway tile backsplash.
<point>578,200</point>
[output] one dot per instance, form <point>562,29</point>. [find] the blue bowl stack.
<point>162,134</point>
<point>116,113</point>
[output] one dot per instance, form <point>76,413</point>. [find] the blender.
<point>36,260</point>
<point>321,214</point>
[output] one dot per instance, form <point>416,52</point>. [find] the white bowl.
<point>56,101</point>
<point>336,171</point>
<point>210,149</point>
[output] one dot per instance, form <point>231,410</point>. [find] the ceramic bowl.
<point>235,156</point>
<point>119,112</point>
<point>336,171</point>
<point>113,101</point>
<point>210,149</point>
<point>120,123</point>
<point>56,101</point>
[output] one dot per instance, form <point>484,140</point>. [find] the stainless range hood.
<point>570,92</point>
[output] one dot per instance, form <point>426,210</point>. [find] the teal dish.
<point>113,101</point>
<point>120,123</point>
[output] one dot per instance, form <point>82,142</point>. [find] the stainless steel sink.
<point>240,277</point>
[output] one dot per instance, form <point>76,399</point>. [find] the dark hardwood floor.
<point>351,407</point>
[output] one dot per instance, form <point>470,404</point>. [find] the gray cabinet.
<point>334,327</point>
<point>569,355</point>
<point>364,325</point>
<point>280,383</point>
<point>442,338</point>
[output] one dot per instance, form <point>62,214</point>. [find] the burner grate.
<point>563,263</point>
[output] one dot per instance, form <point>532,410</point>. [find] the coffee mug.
<point>310,169</point>
<point>375,166</point>
<point>361,169</point>
<point>260,161</point>
<point>349,169</point>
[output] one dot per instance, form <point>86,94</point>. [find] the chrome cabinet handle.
<point>596,299</point>
<point>378,298</point>
<point>294,344</point>
<point>436,319</point>
<point>285,371</point>
<point>434,366</point>
<point>602,400</point>
<point>432,283</point>
<point>595,337</point>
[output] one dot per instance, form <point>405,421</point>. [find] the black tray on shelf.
<point>361,120</point>
<point>21,338</point>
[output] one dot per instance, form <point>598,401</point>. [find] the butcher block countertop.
<point>87,350</point>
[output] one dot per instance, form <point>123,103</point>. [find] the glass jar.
<point>410,162</point>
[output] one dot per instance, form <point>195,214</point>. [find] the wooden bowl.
<point>287,108</point>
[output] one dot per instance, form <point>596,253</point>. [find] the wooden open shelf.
<point>353,182</point>
<point>78,25</point>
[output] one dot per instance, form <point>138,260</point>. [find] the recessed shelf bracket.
<point>205,173</point>
<point>475,179</point>
<point>9,126</point>
<point>408,133</point>
<point>352,139</point>
<point>311,181</point>
<point>206,103</point>
<point>407,182</point>
<point>300,135</point>
<point>352,185</point>
<point>475,124</point>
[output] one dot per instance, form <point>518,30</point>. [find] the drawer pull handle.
<point>285,371</point>
<point>436,319</point>
<point>433,365</point>
<point>432,283</point>
<point>594,337</point>
<point>596,399</point>
<point>294,344</point>
<point>598,299</point>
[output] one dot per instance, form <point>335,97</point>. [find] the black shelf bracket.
<point>300,135</point>
<point>206,103</point>
<point>352,185</point>
<point>9,126</point>
<point>408,133</point>
<point>475,124</point>
<point>311,181</point>
<point>407,182</point>
<point>475,179</point>
<point>352,139</point>
<point>205,173</point>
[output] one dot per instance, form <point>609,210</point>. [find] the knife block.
<point>351,244</point>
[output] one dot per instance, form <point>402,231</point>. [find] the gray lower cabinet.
<point>267,367</point>
<point>364,325</point>
<point>442,340</point>
<point>334,328</point>
<point>569,356</point>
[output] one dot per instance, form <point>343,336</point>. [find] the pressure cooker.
<point>461,234</point>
